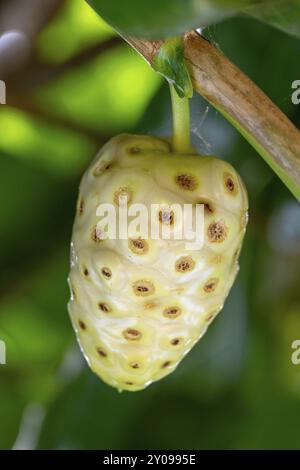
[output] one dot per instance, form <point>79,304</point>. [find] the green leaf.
<point>33,140</point>
<point>161,18</point>
<point>76,27</point>
<point>283,14</point>
<point>109,93</point>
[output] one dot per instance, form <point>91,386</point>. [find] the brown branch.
<point>230,91</point>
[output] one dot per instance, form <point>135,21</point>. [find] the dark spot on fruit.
<point>143,288</point>
<point>211,315</point>
<point>104,307</point>
<point>230,183</point>
<point>139,246</point>
<point>100,167</point>
<point>208,206</point>
<point>106,272</point>
<point>185,264</point>
<point>135,365</point>
<point>97,235</point>
<point>166,217</point>
<point>101,352</point>
<point>211,285</point>
<point>80,207</point>
<point>166,364</point>
<point>176,341</point>
<point>186,181</point>
<point>85,271</point>
<point>131,334</point>
<point>172,312</point>
<point>217,232</point>
<point>122,193</point>
<point>129,383</point>
<point>134,150</point>
<point>82,325</point>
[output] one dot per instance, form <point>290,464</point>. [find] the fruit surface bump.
<point>139,305</point>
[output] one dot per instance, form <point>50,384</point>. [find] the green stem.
<point>181,122</point>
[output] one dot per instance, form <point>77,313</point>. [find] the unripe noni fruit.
<point>139,305</point>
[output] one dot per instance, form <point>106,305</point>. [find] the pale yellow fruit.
<point>138,306</point>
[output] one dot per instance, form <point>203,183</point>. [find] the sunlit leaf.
<point>109,94</point>
<point>51,147</point>
<point>76,28</point>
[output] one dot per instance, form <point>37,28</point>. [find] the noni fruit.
<point>139,305</point>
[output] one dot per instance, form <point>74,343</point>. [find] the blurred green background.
<point>238,388</point>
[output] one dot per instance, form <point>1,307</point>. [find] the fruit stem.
<point>181,122</point>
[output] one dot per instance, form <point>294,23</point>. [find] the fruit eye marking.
<point>85,271</point>
<point>143,288</point>
<point>97,235</point>
<point>131,334</point>
<point>208,207</point>
<point>229,182</point>
<point>172,312</point>
<point>134,150</point>
<point>211,285</point>
<point>121,193</point>
<point>82,325</point>
<point>101,352</point>
<point>176,341</point>
<point>135,365</point>
<point>80,207</point>
<point>187,182</point>
<point>166,217</point>
<point>100,167</point>
<point>106,272</point>
<point>217,232</point>
<point>211,315</point>
<point>185,264</point>
<point>139,246</point>
<point>104,307</point>
<point>166,364</point>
